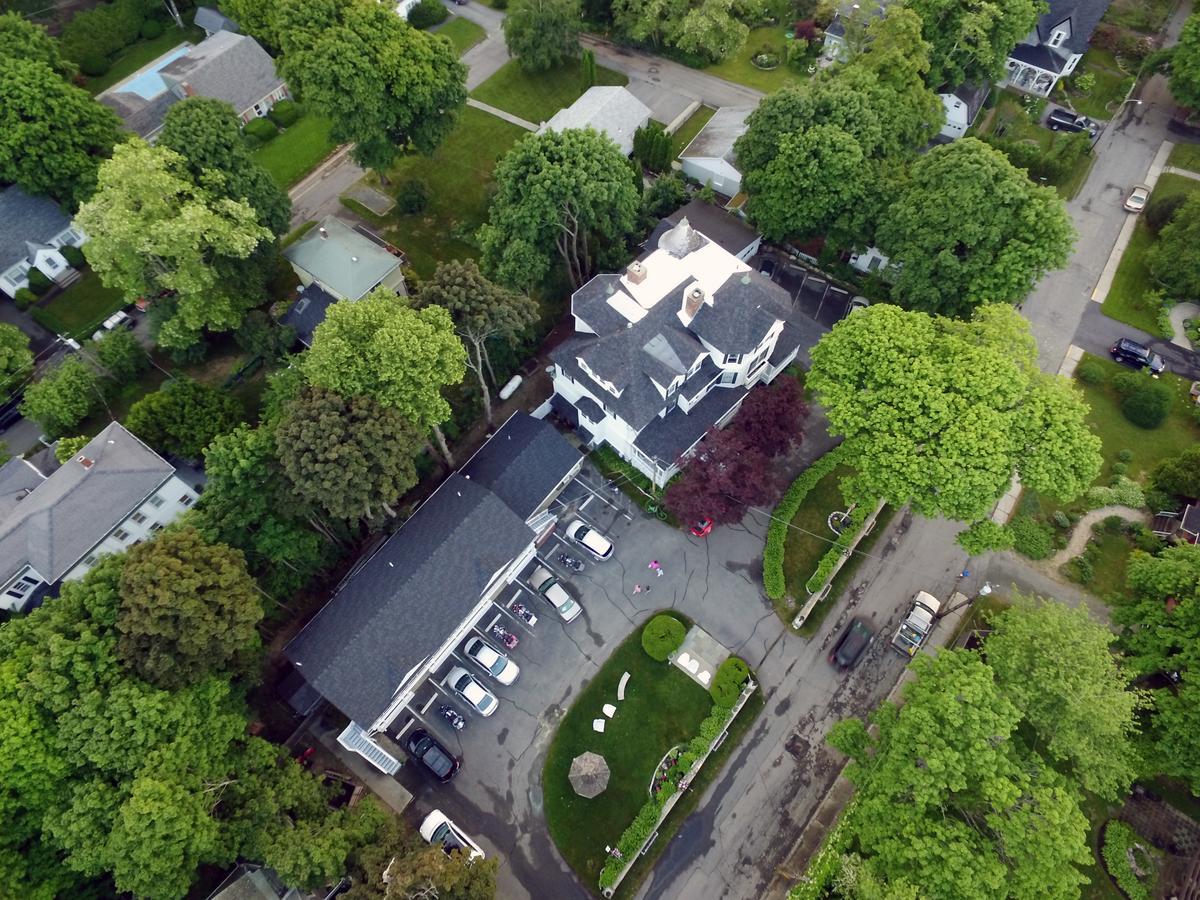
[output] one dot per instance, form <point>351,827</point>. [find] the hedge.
<point>73,255</point>
<point>847,539</point>
<point>774,581</point>
<point>1119,839</point>
<point>661,636</point>
<point>261,129</point>
<point>727,684</point>
<point>38,282</point>
<point>285,113</point>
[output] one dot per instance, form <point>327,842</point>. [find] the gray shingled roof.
<point>1039,55</point>
<point>17,479</point>
<point>397,609</point>
<point>308,312</point>
<point>1085,15</point>
<point>227,66</point>
<point>523,463</point>
<point>668,438</point>
<point>716,139</point>
<point>141,116</point>
<point>25,218</point>
<point>336,255</point>
<point>70,512</point>
<point>613,111</point>
<point>743,310</point>
<point>721,227</point>
<point>213,21</point>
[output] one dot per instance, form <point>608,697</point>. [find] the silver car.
<point>491,660</point>
<point>474,694</point>
<point>546,584</point>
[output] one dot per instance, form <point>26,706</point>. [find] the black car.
<point>1065,120</point>
<point>851,645</point>
<point>433,756</point>
<point>1137,356</point>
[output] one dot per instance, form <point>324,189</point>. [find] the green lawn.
<point>1126,301</point>
<point>1112,84</point>
<point>1185,156</point>
<point>137,55</point>
<point>79,309</point>
<point>296,151</point>
<point>537,96</point>
<point>689,129</point>
<point>463,33</point>
<point>662,708</point>
<point>809,537</point>
<point>458,174</point>
<point>739,68</point>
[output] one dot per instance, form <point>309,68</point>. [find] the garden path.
<point>1179,312</point>
<point>1083,530</point>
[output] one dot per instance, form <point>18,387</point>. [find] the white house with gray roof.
<point>669,349</point>
<point>33,231</point>
<point>344,262</point>
<point>114,493</point>
<point>1055,46</point>
<point>709,157</point>
<point>613,111</point>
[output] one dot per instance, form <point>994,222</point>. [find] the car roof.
<point>482,651</point>
<point>854,641</point>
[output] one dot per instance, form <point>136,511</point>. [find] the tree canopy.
<point>121,355</point>
<point>969,228</point>
<point>709,30</point>
<point>16,359</point>
<point>1172,258</point>
<point>559,192</point>
<point>1185,64</point>
<point>385,85</point>
<point>971,39</point>
<point>183,416</point>
<point>940,413</point>
<point>1180,475</point>
<point>62,398</point>
<point>542,34</point>
<point>22,39</point>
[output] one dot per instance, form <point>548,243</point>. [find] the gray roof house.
<point>611,110</point>
<point>308,312</point>
<point>402,610</point>
<point>32,231</point>
<point>1053,49</point>
<point>668,349</point>
<point>212,21</point>
<point>343,261</point>
<point>709,157</point>
<point>53,528</point>
<point>225,66</point>
<point>732,233</point>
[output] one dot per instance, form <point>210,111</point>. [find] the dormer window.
<point>1057,38</point>
<point>732,359</point>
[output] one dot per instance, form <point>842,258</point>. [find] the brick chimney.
<point>84,461</point>
<point>636,273</point>
<point>693,299</point>
<point>188,90</point>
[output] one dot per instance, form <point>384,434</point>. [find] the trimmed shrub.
<point>1090,371</point>
<point>1122,492</point>
<point>285,113</point>
<point>774,582</point>
<point>151,29</point>
<point>261,130</point>
<point>73,255</point>
<point>94,64</point>
<point>1061,519</point>
<point>413,196</point>
<point>727,683</point>
<point>427,13</point>
<point>1148,406</point>
<point>1119,468</point>
<point>1161,210</point>
<point>1031,538</point>
<point>1125,456</point>
<point>662,636</point>
<point>24,298</point>
<point>1126,383</point>
<point>1113,524</point>
<point>983,536</point>
<point>1119,845</point>
<point>38,282</point>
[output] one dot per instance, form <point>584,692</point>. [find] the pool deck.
<point>153,66</point>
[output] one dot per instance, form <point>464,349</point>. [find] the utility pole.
<point>174,11</point>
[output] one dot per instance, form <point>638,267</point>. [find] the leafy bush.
<point>662,636</point>
<point>427,13</point>
<point>1119,845</point>
<point>1113,525</point>
<point>1161,210</point>
<point>773,579</point>
<point>1090,371</point>
<point>151,29</point>
<point>413,196</point>
<point>285,113</point>
<point>73,255</point>
<point>1126,383</point>
<point>93,64</point>
<point>1119,468</point>
<point>1122,492</point>
<point>1080,570</point>
<point>1031,538</point>
<point>104,30</point>
<point>38,282</point>
<point>1085,83</point>
<point>261,130</point>
<point>983,536</point>
<point>1061,519</point>
<point>727,683</point>
<point>1148,406</point>
<point>24,298</point>
<point>1125,456</point>
<point>652,147</point>
<point>664,195</point>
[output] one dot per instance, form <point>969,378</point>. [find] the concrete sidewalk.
<point>501,114</point>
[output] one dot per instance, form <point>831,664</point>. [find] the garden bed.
<point>740,67</point>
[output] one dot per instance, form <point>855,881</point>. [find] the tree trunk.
<point>383,179</point>
<point>484,392</point>
<point>441,442</point>
<point>487,361</point>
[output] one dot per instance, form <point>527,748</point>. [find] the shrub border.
<point>774,581</point>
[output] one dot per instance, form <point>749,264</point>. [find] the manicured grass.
<point>662,708</point>
<point>739,68</point>
<point>846,574</point>
<point>689,129</point>
<point>463,33</point>
<point>1112,84</point>
<point>458,174</point>
<point>537,96</point>
<point>134,57</point>
<point>295,152</point>
<point>809,537</point>
<point>1185,156</point>
<point>1109,558</point>
<point>79,309</point>
<point>1126,300</point>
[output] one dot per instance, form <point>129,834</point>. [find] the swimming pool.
<point>149,84</point>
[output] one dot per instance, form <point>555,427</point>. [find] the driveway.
<point>1097,332</point>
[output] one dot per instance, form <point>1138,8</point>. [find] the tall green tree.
<point>1172,258</point>
<point>542,34</point>
<point>188,609</point>
<point>378,347</point>
<point>1180,475</point>
<point>482,311</point>
<point>183,417</point>
<point>153,228</point>
<point>16,359</point>
<point>558,193</point>
<point>62,398</point>
<point>53,136</point>
<point>121,355</point>
<point>385,85</point>
<point>969,228</point>
<point>1185,64</point>
<point>940,413</point>
<point>971,39</point>
<point>22,39</point>
<point>256,18</point>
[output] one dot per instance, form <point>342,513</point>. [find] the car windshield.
<point>567,607</point>
<point>445,836</point>
<point>463,684</point>
<point>497,664</point>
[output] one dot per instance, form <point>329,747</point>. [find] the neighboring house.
<point>1054,47</point>
<point>669,349</point>
<point>961,106</point>
<point>32,232</point>
<point>869,261</point>
<point>709,158</point>
<point>213,21</point>
<point>726,230</point>
<point>308,312</point>
<point>610,110</point>
<point>1184,526</point>
<point>225,66</point>
<point>115,493</point>
<point>402,610</point>
<point>344,262</point>
<point>835,47</point>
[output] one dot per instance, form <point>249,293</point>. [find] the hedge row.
<point>781,520</point>
<point>1119,840</point>
<point>847,539</point>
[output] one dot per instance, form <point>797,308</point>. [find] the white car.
<point>438,829</point>
<point>112,323</point>
<point>546,584</point>
<point>1136,201</point>
<point>491,660</point>
<point>590,540</point>
<point>473,693</point>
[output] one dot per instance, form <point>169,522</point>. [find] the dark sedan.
<point>437,760</point>
<point>851,645</point>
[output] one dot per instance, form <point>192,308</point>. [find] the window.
<point>121,535</point>
<point>156,526</point>
<point>728,377</point>
<point>1057,38</point>
<point>90,559</point>
<point>138,518</point>
<point>187,500</point>
<point>52,264</point>
<point>156,501</point>
<point>732,359</point>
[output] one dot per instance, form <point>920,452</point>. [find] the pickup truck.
<point>917,625</point>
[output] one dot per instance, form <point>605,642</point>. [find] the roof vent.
<point>84,461</point>
<point>636,273</point>
<point>354,259</point>
<point>323,233</point>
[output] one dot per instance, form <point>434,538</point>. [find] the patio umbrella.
<point>589,774</point>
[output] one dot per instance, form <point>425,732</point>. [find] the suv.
<point>1065,120</point>
<point>851,645</point>
<point>436,759</point>
<point>1137,356</point>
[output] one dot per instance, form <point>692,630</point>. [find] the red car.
<point>702,528</point>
